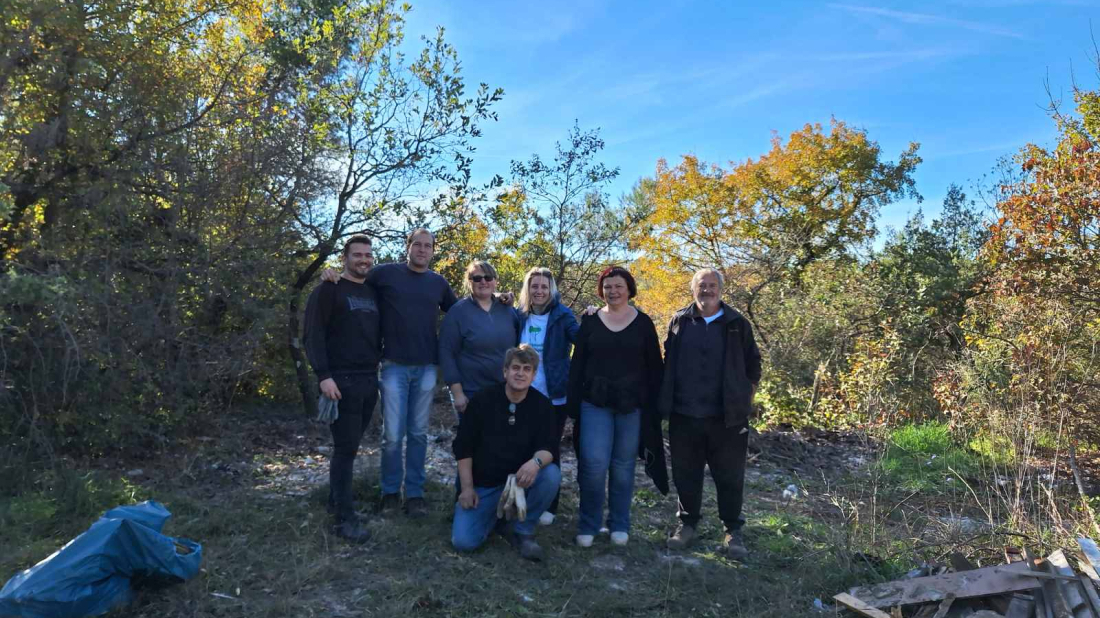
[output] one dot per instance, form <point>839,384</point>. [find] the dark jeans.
<point>358,394</point>
<point>698,442</point>
<point>556,452</point>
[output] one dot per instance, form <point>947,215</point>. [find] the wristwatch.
<point>538,462</point>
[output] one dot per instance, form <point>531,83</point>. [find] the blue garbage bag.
<point>92,574</point>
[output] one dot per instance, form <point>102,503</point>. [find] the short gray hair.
<point>699,274</point>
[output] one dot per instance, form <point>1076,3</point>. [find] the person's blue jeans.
<point>609,443</point>
<point>406,406</point>
<point>472,526</point>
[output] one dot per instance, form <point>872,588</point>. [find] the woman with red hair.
<point>614,380</point>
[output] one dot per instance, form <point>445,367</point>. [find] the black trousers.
<point>358,395</point>
<point>560,412</point>
<point>698,442</point>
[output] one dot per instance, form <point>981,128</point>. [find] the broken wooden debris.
<point>1024,587</point>
<point>858,606</point>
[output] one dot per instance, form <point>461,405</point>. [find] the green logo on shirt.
<point>534,329</point>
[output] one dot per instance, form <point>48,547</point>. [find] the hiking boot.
<point>734,544</point>
<point>391,503</point>
<point>682,538</point>
<point>352,531</point>
<point>416,508</point>
<point>528,548</point>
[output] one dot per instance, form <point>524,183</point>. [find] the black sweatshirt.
<point>342,329</point>
<point>497,448</point>
<point>631,356</point>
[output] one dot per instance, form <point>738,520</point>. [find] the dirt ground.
<point>253,492</point>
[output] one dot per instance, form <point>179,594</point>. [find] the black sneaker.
<point>734,544</point>
<point>352,531</point>
<point>391,503</point>
<point>416,508</point>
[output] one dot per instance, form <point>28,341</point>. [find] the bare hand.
<point>461,401</point>
<point>591,309</point>
<point>506,298</point>
<point>468,499</point>
<point>525,476</point>
<point>329,389</point>
<point>330,275</point>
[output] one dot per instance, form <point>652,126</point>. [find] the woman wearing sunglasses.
<point>476,333</point>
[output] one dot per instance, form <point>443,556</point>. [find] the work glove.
<point>513,501</point>
<point>327,410</point>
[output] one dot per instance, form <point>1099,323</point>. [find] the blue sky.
<point>964,78</point>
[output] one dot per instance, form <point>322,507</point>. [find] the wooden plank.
<point>967,584</point>
<point>858,606</point>
<point>1090,592</point>
<point>1092,554</point>
<point>1043,575</point>
<point>1052,595</point>
<point>1074,594</point>
<point>945,606</point>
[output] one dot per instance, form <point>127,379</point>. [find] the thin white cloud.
<point>903,55</point>
<point>928,19</point>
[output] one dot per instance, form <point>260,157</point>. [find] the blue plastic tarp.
<point>92,574</point>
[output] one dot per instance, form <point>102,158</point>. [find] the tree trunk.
<point>293,335</point>
<point>294,346</point>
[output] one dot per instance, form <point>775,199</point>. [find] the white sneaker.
<point>604,530</point>
<point>546,518</point>
<point>585,540</point>
<point>619,538</point>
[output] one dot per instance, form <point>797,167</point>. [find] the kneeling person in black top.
<point>507,429</point>
<point>343,346</point>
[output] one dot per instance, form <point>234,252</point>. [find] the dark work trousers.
<point>698,442</point>
<point>358,394</point>
<point>556,452</point>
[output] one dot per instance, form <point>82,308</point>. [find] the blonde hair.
<point>486,269</point>
<point>525,291</point>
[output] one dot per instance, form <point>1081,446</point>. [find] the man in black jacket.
<point>712,367</point>
<point>343,345</point>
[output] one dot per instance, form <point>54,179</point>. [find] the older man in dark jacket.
<point>712,367</point>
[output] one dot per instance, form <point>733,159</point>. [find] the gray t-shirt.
<point>409,303</point>
<point>472,343</point>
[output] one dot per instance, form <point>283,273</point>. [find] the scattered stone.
<point>135,472</point>
<point>609,563</point>
<point>791,492</point>
<point>325,450</point>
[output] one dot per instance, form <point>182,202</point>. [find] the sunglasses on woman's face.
<point>480,278</point>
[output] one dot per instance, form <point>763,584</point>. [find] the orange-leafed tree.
<point>814,195</point>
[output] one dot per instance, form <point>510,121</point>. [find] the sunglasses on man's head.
<point>480,278</point>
